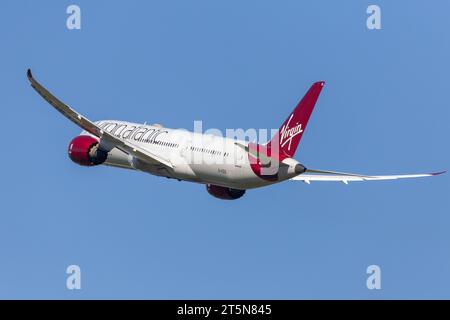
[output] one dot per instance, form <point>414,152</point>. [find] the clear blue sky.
<point>232,64</point>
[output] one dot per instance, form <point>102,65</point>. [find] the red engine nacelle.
<point>84,151</point>
<point>224,193</point>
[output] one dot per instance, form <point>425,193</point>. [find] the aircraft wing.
<point>107,140</point>
<point>320,175</point>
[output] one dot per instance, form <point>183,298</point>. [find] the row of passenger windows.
<point>210,151</point>
<point>197,149</point>
<point>167,144</point>
<point>163,143</point>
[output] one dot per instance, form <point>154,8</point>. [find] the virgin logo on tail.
<point>287,134</point>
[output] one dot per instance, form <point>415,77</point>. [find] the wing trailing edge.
<point>321,175</point>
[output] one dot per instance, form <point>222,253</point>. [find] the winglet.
<point>29,74</point>
<point>438,173</point>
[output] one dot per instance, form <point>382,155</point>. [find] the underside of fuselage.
<point>232,175</point>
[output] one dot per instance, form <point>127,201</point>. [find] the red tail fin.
<point>289,135</point>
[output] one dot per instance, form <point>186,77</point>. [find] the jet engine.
<point>85,151</point>
<point>224,193</point>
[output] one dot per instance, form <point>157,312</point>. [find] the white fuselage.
<point>196,157</point>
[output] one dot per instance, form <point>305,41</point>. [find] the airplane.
<point>227,166</point>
